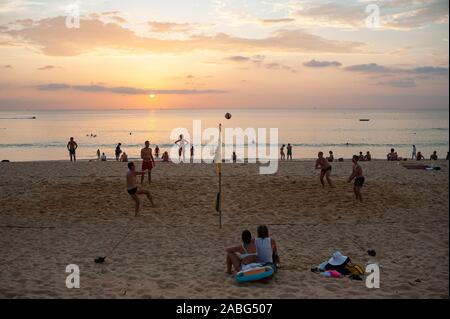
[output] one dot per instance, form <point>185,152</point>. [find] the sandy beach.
<point>59,213</point>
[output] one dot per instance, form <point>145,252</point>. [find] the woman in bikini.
<point>243,256</point>
<point>282,154</point>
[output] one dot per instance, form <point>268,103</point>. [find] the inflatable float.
<point>253,274</point>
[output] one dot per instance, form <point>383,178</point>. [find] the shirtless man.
<point>325,169</point>
<point>148,162</point>
<point>133,190</point>
<point>71,147</point>
<point>357,174</point>
<point>289,151</point>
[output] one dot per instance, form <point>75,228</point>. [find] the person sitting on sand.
<point>289,151</point>
<point>133,190</point>
<point>446,157</point>
<point>420,156</point>
<point>266,248</point>
<point>357,174</point>
<point>282,155</point>
<point>165,157</point>
<point>330,158</point>
<point>434,156</point>
<point>148,162</point>
<point>392,156</point>
<point>325,169</point>
<point>124,157</point>
<point>368,157</point>
<point>361,157</point>
<point>243,256</point>
<point>103,157</point>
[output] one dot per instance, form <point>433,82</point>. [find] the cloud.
<point>169,27</point>
<point>321,64</point>
<point>400,83</point>
<point>52,87</point>
<point>238,58</point>
<point>119,20</point>
<point>368,68</point>
<point>276,21</point>
<point>8,66</point>
<point>377,71</point>
<point>373,68</point>
<point>394,14</point>
<point>47,67</point>
<point>14,6</point>
<point>333,14</point>
<point>110,13</point>
<point>418,16</point>
<point>124,90</point>
<point>259,61</point>
<point>51,37</point>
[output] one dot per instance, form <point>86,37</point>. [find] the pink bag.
<point>332,273</point>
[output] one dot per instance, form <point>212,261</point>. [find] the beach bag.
<point>340,268</point>
<point>355,269</point>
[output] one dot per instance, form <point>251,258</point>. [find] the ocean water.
<point>45,137</point>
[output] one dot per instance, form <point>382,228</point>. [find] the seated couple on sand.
<point>393,156</point>
<point>261,251</point>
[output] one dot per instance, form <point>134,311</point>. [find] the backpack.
<point>355,269</point>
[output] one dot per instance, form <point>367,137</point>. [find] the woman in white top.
<point>242,256</point>
<point>266,248</point>
<point>182,143</point>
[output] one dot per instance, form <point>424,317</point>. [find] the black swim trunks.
<point>359,181</point>
<point>132,191</point>
<point>326,169</point>
<point>72,151</point>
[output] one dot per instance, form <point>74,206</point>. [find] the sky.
<point>153,54</point>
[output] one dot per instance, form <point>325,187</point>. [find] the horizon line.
<point>221,108</point>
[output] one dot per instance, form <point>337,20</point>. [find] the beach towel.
<point>422,166</point>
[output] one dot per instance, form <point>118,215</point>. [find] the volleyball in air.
<point>228,116</point>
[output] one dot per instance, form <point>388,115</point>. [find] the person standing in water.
<point>118,151</point>
<point>133,190</point>
<point>289,151</point>
<point>357,174</point>
<point>282,154</point>
<point>192,153</point>
<point>148,162</point>
<point>182,143</point>
<point>71,147</point>
<point>98,154</point>
<point>325,169</point>
<point>157,151</point>
<point>414,156</point>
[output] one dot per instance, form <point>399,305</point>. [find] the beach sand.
<point>59,213</point>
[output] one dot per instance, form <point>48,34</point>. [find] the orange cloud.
<point>51,37</point>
